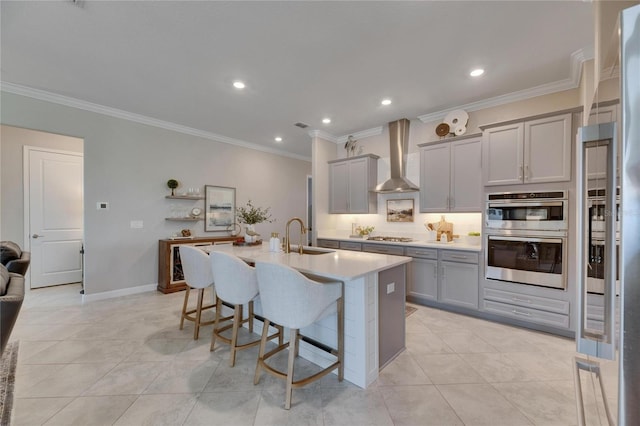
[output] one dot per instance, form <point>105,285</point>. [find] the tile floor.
<point>123,361</point>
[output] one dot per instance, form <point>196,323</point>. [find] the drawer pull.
<point>517,312</point>
<point>517,299</point>
<point>459,257</point>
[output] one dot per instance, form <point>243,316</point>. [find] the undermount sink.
<point>311,250</point>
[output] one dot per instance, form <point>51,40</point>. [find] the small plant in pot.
<point>172,184</point>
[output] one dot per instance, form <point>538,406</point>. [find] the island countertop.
<point>342,265</point>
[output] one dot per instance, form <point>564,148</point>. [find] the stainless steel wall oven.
<point>526,238</point>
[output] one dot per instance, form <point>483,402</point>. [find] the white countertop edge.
<point>427,244</point>
<point>339,265</point>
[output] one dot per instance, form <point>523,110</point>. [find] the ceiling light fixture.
<point>386,102</point>
<point>238,84</point>
<point>278,139</point>
<point>477,72</point>
<point>326,120</point>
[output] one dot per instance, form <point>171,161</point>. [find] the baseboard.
<point>118,293</point>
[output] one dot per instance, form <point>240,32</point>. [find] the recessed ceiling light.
<point>326,120</point>
<point>278,139</point>
<point>386,102</point>
<point>477,72</point>
<point>238,84</point>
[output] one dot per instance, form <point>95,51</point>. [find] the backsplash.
<point>463,223</point>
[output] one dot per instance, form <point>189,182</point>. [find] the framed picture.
<point>400,210</point>
<point>220,208</point>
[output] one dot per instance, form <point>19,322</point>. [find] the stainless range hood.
<point>399,143</point>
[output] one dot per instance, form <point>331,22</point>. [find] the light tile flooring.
<point>123,361</point>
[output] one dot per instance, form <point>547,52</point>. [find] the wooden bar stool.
<point>294,301</point>
<point>236,284</point>
<point>197,274</point>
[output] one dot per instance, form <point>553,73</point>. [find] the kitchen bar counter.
<point>360,273</point>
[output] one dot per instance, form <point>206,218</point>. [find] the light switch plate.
<point>102,205</point>
<point>137,224</point>
<point>391,287</point>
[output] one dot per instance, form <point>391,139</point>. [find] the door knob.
<point>37,236</point>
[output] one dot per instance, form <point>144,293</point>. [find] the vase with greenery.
<point>252,215</point>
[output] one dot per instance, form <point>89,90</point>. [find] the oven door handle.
<point>527,239</point>
<point>502,204</point>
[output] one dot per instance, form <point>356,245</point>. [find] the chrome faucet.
<point>303,230</point>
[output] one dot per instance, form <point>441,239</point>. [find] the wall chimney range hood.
<point>399,146</point>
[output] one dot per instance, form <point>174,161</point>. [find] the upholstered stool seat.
<point>237,285</point>
<point>197,275</point>
<point>294,301</point>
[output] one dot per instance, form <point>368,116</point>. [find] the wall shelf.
<point>184,197</point>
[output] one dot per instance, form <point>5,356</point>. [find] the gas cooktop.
<point>391,239</point>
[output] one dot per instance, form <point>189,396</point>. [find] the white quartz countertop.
<point>341,265</point>
<point>428,244</point>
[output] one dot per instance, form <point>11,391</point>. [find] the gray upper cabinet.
<point>449,176</point>
<point>596,157</point>
<point>350,184</point>
<point>533,151</point>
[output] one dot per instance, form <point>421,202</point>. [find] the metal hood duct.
<point>399,143</point>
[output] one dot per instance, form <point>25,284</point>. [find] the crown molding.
<point>322,134</point>
<point>375,131</point>
<point>142,119</point>
<point>577,59</point>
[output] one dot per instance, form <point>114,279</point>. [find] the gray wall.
<point>127,164</point>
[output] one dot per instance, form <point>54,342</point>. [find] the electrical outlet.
<point>391,287</point>
<point>137,224</point>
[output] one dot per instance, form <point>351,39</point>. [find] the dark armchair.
<point>16,260</point>
<point>11,297</point>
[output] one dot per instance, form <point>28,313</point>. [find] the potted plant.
<point>251,215</point>
<point>173,184</point>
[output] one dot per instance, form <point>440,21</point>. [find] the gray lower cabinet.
<point>422,282</point>
<point>527,307</point>
<point>459,278</point>
<point>443,276</point>
<point>334,244</point>
<point>382,249</point>
<point>349,245</point>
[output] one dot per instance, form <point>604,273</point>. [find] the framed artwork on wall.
<point>220,208</point>
<point>400,210</point>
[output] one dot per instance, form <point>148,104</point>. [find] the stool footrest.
<point>282,375</point>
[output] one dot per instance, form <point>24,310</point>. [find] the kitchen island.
<point>361,274</point>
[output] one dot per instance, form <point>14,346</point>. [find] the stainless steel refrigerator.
<point>608,252</point>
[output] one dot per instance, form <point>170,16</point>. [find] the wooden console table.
<point>170,276</point>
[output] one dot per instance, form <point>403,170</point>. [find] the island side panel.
<point>361,333</point>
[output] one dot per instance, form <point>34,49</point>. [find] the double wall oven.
<point>527,238</point>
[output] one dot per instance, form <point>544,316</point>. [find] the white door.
<point>55,212</point>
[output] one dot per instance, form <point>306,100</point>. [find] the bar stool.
<point>197,274</point>
<point>236,284</point>
<point>294,301</point>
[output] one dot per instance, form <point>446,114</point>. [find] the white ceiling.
<point>175,61</point>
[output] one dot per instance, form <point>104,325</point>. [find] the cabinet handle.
<point>452,203</point>
<point>453,256</point>
<point>517,299</point>
<point>448,203</point>
<point>520,172</point>
<point>526,172</point>
<point>517,312</point>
